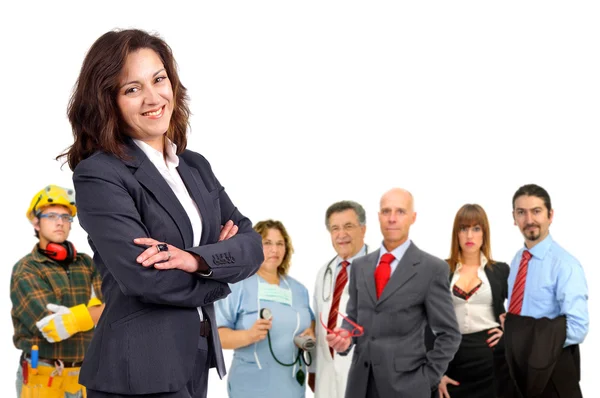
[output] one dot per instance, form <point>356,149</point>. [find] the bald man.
<point>394,293</point>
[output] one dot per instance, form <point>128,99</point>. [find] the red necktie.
<point>340,282</point>
<point>383,272</point>
<point>518,292</point>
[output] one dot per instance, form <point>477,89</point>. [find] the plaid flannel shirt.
<point>37,280</point>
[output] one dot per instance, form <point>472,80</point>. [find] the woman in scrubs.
<point>266,360</point>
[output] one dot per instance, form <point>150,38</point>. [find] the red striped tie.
<point>383,273</point>
<point>340,282</point>
<point>518,292</point>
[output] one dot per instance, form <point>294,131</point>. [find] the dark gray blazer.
<point>148,335</point>
<point>417,294</point>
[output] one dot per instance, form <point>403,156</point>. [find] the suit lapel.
<point>403,272</point>
<point>495,286</point>
<point>369,274</point>
<point>149,176</point>
<point>491,280</point>
<point>199,193</point>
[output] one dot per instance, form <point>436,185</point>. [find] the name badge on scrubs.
<point>271,292</point>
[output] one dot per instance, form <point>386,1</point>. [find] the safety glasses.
<point>357,330</point>
<point>54,217</point>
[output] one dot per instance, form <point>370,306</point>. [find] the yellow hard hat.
<point>50,196</point>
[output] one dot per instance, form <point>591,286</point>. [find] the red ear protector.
<point>60,251</point>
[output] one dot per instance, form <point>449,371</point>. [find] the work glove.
<point>94,301</point>
<point>65,322</point>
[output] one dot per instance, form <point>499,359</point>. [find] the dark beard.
<point>532,235</point>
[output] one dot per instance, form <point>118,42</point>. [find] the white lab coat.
<point>331,373</point>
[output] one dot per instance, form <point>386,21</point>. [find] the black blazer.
<point>497,274</point>
<point>147,338</point>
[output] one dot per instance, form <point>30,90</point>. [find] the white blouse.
<point>476,313</point>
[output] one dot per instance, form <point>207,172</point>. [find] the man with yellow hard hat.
<point>56,301</point>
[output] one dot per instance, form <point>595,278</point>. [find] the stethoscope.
<point>300,375</point>
<point>329,274</point>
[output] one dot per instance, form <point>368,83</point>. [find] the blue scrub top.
<point>254,370</point>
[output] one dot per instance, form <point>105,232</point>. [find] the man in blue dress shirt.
<point>545,281</point>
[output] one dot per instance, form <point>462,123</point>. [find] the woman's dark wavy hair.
<point>93,112</point>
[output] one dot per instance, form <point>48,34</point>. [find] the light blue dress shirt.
<point>398,253</point>
<point>555,286</point>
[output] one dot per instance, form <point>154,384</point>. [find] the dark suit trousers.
<point>371,387</point>
<point>195,388</point>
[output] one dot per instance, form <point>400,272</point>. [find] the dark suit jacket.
<point>147,337</point>
<point>538,363</point>
<point>497,274</point>
<point>417,294</point>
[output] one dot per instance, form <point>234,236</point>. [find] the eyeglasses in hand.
<point>357,330</point>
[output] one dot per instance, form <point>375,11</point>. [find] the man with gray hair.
<point>346,222</point>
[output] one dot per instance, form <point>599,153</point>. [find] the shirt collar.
<point>170,149</point>
<point>39,257</point>
<point>361,252</point>
<point>539,251</point>
<point>397,252</point>
<point>482,260</point>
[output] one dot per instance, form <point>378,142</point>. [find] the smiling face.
<point>347,235</point>
<point>145,97</point>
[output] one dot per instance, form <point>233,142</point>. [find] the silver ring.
<point>162,247</point>
<point>169,255</point>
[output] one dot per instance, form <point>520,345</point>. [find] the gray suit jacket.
<point>417,294</point>
<point>147,338</point>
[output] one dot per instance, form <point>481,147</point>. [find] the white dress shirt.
<point>338,260</point>
<point>168,170</point>
<point>476,313</point>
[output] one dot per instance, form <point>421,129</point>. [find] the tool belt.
<point>52,362</point>
<point>50,382</point>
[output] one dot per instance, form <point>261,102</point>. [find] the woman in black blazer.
<point>153,211</point>
<point>479,288</point>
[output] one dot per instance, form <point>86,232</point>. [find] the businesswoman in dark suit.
<point>153,212</point>
<point>479,287</point>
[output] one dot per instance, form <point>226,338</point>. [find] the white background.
<point>300,104</point>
